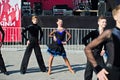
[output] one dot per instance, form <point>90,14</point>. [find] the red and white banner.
<point>10,19</point>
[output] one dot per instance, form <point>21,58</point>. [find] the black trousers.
<point>114,73</point>
<point>89,68</point>
<point>2,64</point>
<point>27,55</point>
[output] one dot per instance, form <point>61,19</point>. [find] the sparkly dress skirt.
<point>56,49</point>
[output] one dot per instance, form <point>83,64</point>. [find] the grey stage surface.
<point>60,71</point>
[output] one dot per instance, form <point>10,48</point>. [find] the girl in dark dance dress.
<point>56,48</point>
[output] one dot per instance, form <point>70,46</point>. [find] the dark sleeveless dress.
<point>57,48</point>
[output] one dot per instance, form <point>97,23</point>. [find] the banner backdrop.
<point>10,19</point>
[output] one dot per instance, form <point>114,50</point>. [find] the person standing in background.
<point>102,22</point>
<point>57,48</point>
<point>33,43</point>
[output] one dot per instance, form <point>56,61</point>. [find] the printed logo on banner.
<point>10,19</point>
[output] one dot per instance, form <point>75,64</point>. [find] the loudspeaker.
<point>101,8</point>
<point>37,8</point>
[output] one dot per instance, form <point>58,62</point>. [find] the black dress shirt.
<point>33,32</point>
<point>92,35</point>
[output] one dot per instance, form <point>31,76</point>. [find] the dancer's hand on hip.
<point>28,42</point>
<point>102,75</point>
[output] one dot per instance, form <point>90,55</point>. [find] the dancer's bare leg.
<point>50,64</point>
<point>68,64</point>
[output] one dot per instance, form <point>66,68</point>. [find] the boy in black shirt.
<point>102,22</point>
<point>33,43</point>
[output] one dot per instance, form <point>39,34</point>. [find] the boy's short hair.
<point>101,17</point>
<point>34,17</point>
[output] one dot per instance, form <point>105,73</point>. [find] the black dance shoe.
<point>22,72</point>
<point>6,73</point>
<point>45,70</point>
